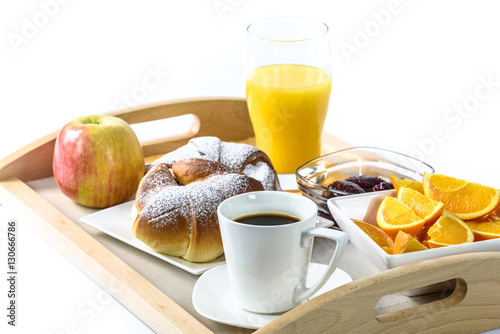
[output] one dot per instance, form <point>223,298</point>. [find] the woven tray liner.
<point>178,284</point>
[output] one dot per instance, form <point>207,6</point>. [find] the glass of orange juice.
<point>288,85</point>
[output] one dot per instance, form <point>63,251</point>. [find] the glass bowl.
<point>314,176</point>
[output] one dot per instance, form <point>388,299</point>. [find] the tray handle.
<point>473,306</point>
<point>226,118</point>
<point>223,117</point>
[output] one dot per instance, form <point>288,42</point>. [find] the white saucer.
<point>212,296</point>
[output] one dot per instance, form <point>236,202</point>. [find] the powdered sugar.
<point>186,151</point>
<point>232,155</point>
<point>235,155</point>
<point>168,207</point>
<point>200,198</point>
<point>230,185</point>
<point>204,199</point>
<point>263,173</point>
<point>165,202</point>
<point>154,181</point>
<point>207,148</point>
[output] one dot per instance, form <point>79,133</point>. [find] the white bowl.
<point>364,207</point>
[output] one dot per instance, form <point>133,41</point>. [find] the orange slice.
<point>398,183</point>
<point>491,217</point>
<point>376,234</point>
<point>449,230</point>
<point>426,208</point>
<point>467,200</point>
<point>422,236</point>
<point>405,243</point>
<point>393,216</point>
<point>484,228</point>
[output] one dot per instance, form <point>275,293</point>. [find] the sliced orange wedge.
<point>449,230</point>
<point>422,236</point>
<point>398,183</point>
<point>486,227</point>
<point>489,218</point>
<point>467,200</point>
<point>426,208</point>
<point>376,234</point>
<point>405,243</point>
<point>393,216</point>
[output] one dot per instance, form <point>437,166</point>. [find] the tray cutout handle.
<point>180,127</point>
<point>473,306</point>
<point>456,296</point>
<point>223,117</point>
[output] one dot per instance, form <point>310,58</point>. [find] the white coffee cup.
<point>268,265</point>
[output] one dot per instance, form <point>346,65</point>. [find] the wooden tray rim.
<point>154,308</point>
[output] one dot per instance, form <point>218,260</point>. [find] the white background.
<point>402,71</point>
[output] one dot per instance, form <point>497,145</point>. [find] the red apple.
<point>98,161</point>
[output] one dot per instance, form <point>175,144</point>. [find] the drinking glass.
<point>288,85</point>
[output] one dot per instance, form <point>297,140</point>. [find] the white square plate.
<point>116,222</point>
<point>364,207</point>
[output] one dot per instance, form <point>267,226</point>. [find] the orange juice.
<point>288,104</point>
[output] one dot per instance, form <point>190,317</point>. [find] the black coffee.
<point>267,219</point>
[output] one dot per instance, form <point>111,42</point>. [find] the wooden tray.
<point>473,306</point>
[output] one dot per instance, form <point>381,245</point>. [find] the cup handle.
<point>301,291</point>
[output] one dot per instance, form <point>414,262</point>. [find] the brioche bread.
<point>177,199</point>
